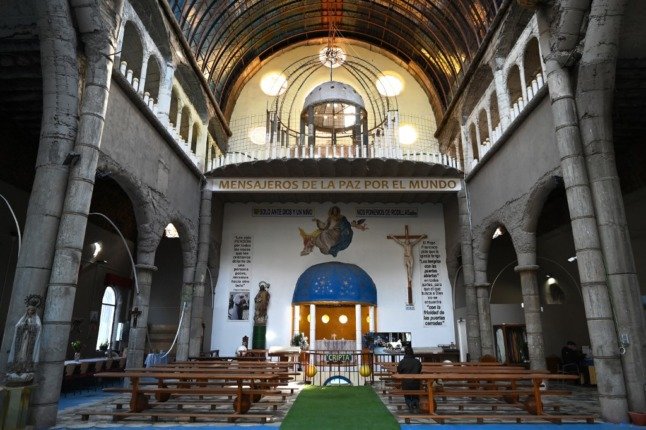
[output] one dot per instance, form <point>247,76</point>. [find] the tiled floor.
<point>583,401</point>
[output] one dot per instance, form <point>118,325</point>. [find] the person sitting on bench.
<point>410,364</point>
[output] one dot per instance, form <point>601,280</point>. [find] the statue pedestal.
<point>14,406</point>
<point>258,337</point>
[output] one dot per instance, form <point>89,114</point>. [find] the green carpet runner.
<point>339,408</point>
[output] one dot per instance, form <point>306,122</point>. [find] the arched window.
<point>473,137</point>
<point>153,78</point>
<point>132,51</point>
<point>513,84</point>
<point>108,306</point>
<point>195,136</point>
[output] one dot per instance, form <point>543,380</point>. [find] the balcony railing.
<point>275,152</point>
<point>384,145</point>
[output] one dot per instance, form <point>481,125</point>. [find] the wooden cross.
<point>407,242</point>
<point>134,314</point>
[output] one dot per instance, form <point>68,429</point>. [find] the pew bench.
<point>213,402</point>
<point>496,418</point>
<point>508,387</point>
<point>190,416</point>
<point>175,384</point>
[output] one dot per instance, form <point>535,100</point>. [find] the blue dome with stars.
<point>335,282</point>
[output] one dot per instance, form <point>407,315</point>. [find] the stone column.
<point>489,125</point>
<point>186,312</point>
<point>144,70</point>
<point>532,309</point>
<point>312,327</point>
<point>472,319</point>
<point>204,234</point>
<point>371,316</point>
<point>594,101</point>
<point>189,138</point>
<point>596,299</point>
<point>99,39</point>
<point>523,83</point>
<point>484,317</point>
<point>139,317</point>
<point>202,146</point>
<point>178,117</point>
<point>57,134</point>
<point>311,132</point>
<point>297,320</point>
<point>502,95</point>
<point>165,94</point>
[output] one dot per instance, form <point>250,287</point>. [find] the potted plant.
<point>300,340</point>
<point>638,418</point>
<point>76,346</point>
<point>103,346</point>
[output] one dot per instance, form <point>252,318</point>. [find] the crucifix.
<point>407,242</point>
<point>134,314</point>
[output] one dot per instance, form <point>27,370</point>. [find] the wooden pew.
<point>247,387</point>
<point>506,386</point>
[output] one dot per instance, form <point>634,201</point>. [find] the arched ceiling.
<point>436,38</point>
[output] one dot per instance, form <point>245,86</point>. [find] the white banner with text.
<point>309,185</point>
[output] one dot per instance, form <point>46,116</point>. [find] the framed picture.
<point>94,317</point>
<point>239,306</point>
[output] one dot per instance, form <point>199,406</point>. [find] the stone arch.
<point>522,241</point>
<point>143,207</point>
<point>483,127</point>
<point>154,24</point>
<point>481,244</point>
<point>195,137</point>
<point>473,139</point>
<point>514,87</point>
<point>191,86</point>
<point>186,122</point>
<point>132,48</point>
<point>453,260</point>
<point>532,60</point>
<point>174,107</point>
<point>482,79</point>
<point>537,197</point>
<point>515,23</point>
<point>494,111</point>
<point>153,78</point>
<point>187,237</point>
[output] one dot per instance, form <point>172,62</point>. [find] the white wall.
<point>276,259</point>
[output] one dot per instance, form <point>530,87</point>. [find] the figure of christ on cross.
<point>407,242</point>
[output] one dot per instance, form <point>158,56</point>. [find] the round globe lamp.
<point>310,370</point>
<point>365,370</point>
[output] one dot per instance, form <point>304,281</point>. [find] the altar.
<point>335,345</point>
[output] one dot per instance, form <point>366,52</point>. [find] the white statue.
<point>25,349</point>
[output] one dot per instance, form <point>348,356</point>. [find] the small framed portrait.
<point>239,306</point>
<point>94,317</point>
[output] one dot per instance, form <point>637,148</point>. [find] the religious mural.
<point>332,235</point>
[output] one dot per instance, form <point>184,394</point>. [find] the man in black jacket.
<point>410,364</point>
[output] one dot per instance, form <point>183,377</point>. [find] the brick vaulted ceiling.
<point>435,39</point>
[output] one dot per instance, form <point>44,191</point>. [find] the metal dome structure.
<point>334,108</point>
